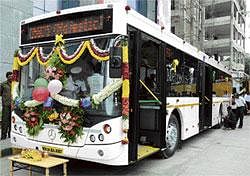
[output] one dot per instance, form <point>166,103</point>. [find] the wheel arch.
<point>177,114</point>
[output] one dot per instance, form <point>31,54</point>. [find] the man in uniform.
<point>5,92</point>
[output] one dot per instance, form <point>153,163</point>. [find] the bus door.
<point>151,96</point>
<point>205,89</point>
<point>146,100</point>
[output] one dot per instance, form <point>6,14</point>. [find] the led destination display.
<point>71,25</point>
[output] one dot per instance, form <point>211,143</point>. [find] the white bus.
<point>113,87</point>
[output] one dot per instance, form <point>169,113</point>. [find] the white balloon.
<point>55,86</point>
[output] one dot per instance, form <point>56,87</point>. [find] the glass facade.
<point>43,6</point>
<point>66,4</point>
<point>147,7</point>
<point>11,13</point>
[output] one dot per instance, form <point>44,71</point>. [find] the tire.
<point>172,137</point>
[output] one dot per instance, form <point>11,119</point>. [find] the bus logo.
<point>52,134</point>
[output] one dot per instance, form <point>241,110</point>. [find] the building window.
<point>141,7</point>
<point>172,4</point>
<point>235,11</point>
<point>66,4</point>
<point>173,29</point>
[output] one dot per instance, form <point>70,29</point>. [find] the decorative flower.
<point>64,121</point>
<point>72,133</point>
<point>53,116</point>
<point>125,106</point>
<point>49,73</point>
<point>68,116</point>
<point>67,128</point>
<point>72,123</point>
<point>59,39</point>
<point>125,71</point>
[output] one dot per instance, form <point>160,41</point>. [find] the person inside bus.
<point>95,81</point>
<point>150,82</point>
<point>231,119</point>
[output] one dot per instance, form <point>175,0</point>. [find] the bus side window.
<point>182,79</point>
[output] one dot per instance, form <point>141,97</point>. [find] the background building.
<point>187,18</point>
<point>225,32</point>
<point>44,6</point>
<point>11,13</point>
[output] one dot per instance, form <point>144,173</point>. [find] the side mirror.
<point>115,62</point>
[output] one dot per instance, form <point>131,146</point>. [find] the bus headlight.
<point>15,127</point>
<point>20,129</point>
<point>101,137</point>
<point>92,138</point>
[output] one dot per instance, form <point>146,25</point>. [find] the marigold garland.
<point>125,92</point>
<point>24,59</point>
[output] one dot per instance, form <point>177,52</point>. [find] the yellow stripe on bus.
<point>190,104</point>
<point>183,105</point>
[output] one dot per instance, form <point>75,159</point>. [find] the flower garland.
<point>125,91</point>
<point>106,91</point>
<point>65,101</point>
<point>32,103</point>
<point>97,53</point>
<point>43,60</point>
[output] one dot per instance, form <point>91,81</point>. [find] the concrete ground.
<point>215,152</point>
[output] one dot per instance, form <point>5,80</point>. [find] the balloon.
<point>41,82</point>
<point>85,103</point>
<point>48,103</point>
<point>40,94</point>
<point>55,86</point>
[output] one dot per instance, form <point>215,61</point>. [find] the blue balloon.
<point>18,101</point>
<point>48,103</point>
<point>86,103</point>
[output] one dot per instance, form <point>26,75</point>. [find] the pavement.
<point>215,152</point>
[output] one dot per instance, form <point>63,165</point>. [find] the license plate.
<point>52,149</point>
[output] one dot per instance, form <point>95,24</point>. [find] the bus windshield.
<point>83,78</point>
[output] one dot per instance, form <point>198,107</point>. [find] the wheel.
<point>172,137</point>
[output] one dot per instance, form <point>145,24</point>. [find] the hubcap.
<point>171,136</point>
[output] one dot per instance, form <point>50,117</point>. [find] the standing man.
<point>247,99</point>
<point>5,92</point>
<point>240,103</point>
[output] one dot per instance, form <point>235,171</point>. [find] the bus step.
<point>144,151</point>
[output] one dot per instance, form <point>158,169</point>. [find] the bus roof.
<point>123,17</point>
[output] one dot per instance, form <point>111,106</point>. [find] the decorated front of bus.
<point>71,98</point>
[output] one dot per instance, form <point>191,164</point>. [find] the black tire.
<point>172,137</point>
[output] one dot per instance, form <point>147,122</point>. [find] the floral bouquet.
<point>33,122</point>
<point>71,122</point>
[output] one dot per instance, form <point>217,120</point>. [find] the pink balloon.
<point>55,86</point>
<point>40,94</point>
